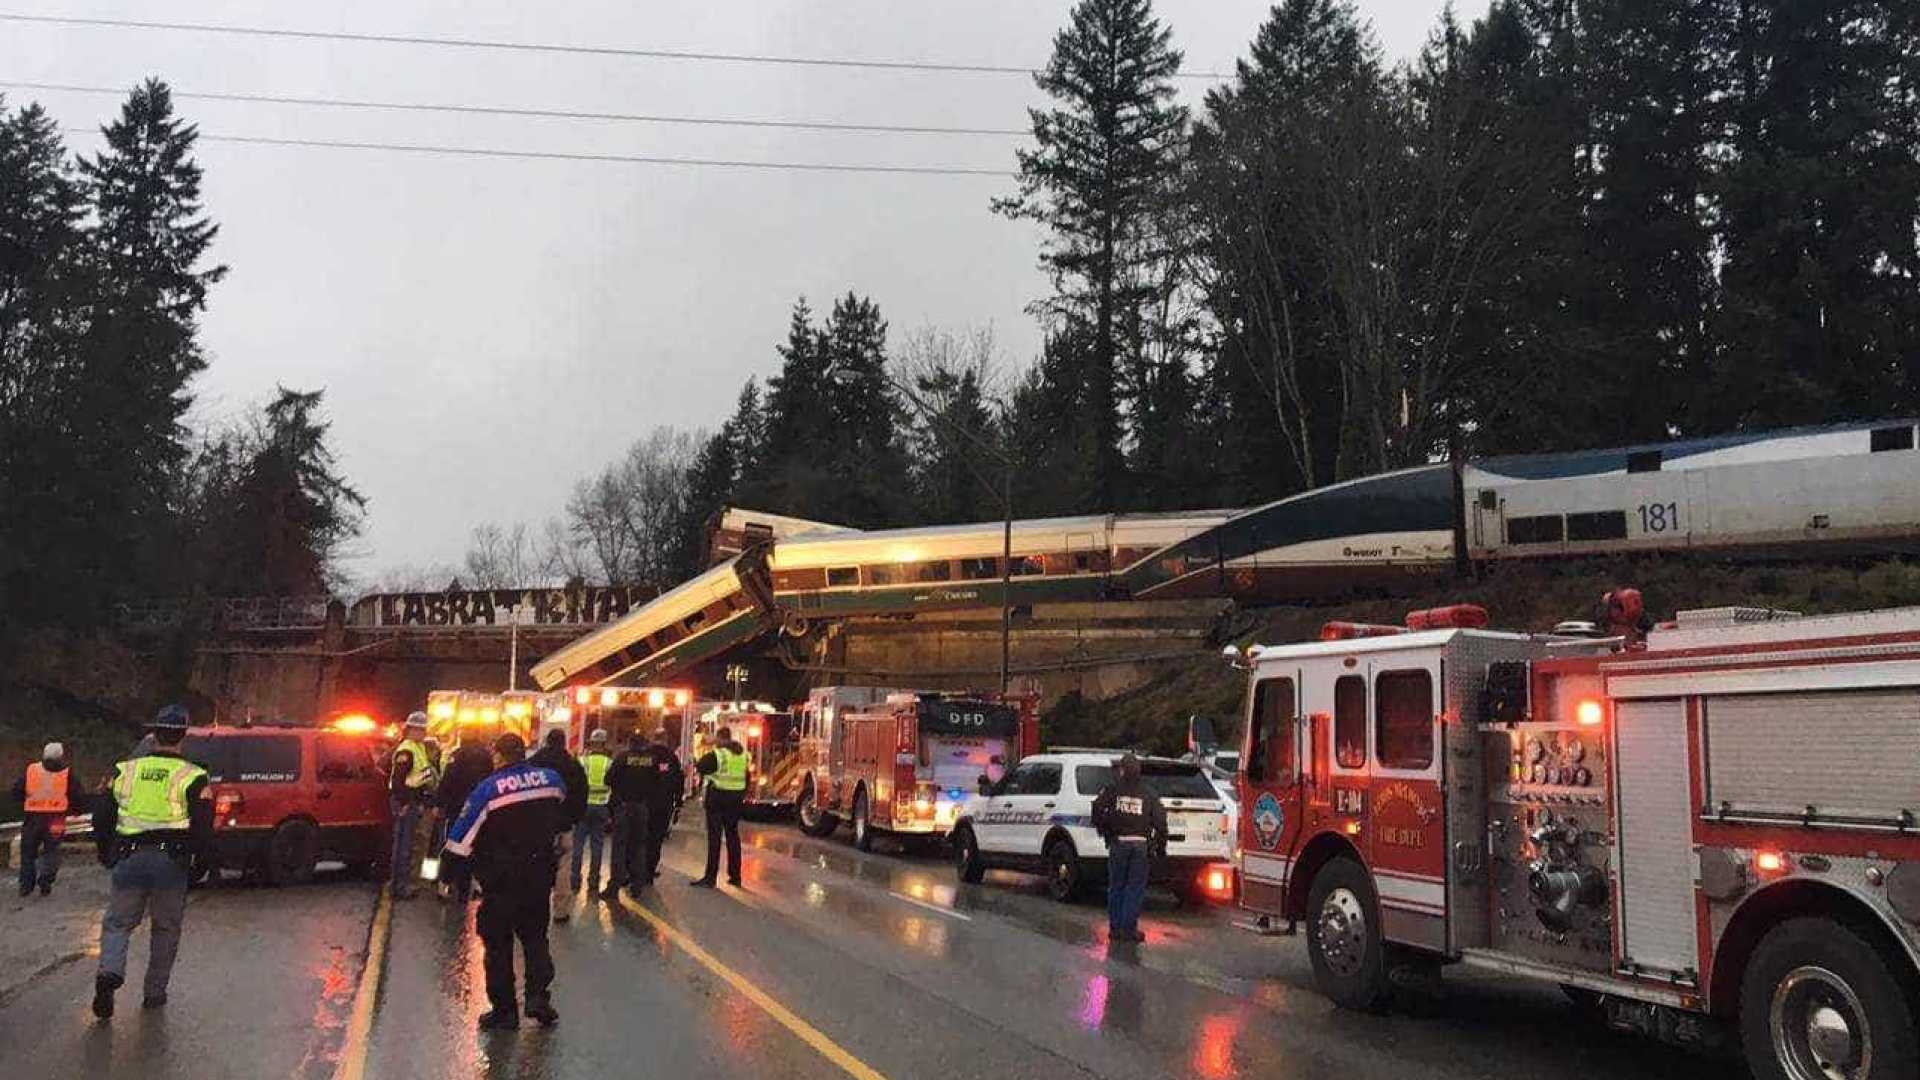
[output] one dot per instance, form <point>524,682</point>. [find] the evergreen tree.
<point>711,484</point>
<point>291,510</point>
<point>955,480</point>
<point>868,463</point>
<point>746,432</point>
<point>1820,200</point>
<point>1104,160</point>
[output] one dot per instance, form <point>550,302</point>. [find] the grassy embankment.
<point>1519,597</point>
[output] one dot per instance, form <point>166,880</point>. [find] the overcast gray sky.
<point>489,330</point>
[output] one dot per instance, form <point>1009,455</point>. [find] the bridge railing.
<point>229,613</point>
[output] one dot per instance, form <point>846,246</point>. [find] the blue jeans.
<point>591,830</point>
<point>1127,864</point>
<point>406,826</point>
<point>146,883</point>
<point>39,851</point>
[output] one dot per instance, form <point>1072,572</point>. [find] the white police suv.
<point>1039,819</point>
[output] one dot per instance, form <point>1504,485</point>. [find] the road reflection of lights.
<point>815,894</point>
<point>1213,1046</point>
<point>1093,1004</point>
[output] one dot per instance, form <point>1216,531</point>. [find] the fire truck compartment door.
<point>1847,754</point>
<point>1658,932</point>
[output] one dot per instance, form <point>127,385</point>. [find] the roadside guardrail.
<point>78,825</point>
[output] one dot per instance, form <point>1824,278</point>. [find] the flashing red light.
<point>1770,862</point>
<point>355,724</point>
<point>1588,713</point>
<point>1453,616</point>
<point>753,731</point>
<point>1219,882</point>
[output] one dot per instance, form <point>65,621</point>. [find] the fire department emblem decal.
<point>1268,820</point>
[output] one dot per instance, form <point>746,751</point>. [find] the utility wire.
<point>550,114</point>
<point>541,47</point>
<point>625,159</point>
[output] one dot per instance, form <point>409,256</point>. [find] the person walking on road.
<point>155,819</point>
<point>669,789</point>
<point>410,790</point>
<point>471,762</point>
<point>46,797</point>
<point>553,755</point>
<point>1130,818</point>
<point>506,829</point>
<point>630,784</point>
<point>591,832</point>
<point>725,767</point>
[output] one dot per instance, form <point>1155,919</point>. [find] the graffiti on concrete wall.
<point>583,606</point>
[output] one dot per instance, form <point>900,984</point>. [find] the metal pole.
<point>513,654</point>
<point>1006,583</point>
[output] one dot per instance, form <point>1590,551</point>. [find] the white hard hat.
<point>417,719</point>
<point>53,752</point>
<point>599,735</point>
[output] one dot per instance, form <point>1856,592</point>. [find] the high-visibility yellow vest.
<point>730,770</point>
<point>422,772</point>
<point>152,794</point>
<point>596,765</point>
<point>46,790</point>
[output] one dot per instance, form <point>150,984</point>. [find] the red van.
<point>285,798</point>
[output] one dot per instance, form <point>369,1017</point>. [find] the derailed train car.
<point>1839,487</point>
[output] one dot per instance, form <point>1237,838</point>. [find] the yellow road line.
<point>353,1052</point>
<point>808,1034</point>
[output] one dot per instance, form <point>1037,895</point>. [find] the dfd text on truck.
<point>1712,832</point>
<point>904,764</point>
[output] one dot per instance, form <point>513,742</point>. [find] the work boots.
<point>104,984</point>
<point>500,1018</point>
<point>540,1008</point>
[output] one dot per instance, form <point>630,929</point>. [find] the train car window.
<point>1544,529</point>
<point>694,620</point>
<point>935,571</point>
<point>1892,438</point>
<point>979,569</point>
<point>1644,461</point>
<point>884,574</point>
<point>1271,758</point>
<point>1599,525</point>
<point>1082,561</point>
<point>1489,500</point>
<point>1350,721</point>
<point>1403,719</point>
<point>1028,565</point>
<point>838,576</point>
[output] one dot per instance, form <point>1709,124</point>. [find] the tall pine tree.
<point>1104,159</point>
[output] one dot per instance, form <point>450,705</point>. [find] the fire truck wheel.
<point>966,856</point>
<point>1819,1002</point>
<point>1066,878</point>
<point>862,822</point>
<point>1343,936</point>
<point>291,852</point>
<point>813,820</point>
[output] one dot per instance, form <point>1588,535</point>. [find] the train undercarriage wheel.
<point>1343,936</point>
<point>813,820</point>
<point>795,626</point>
<point>1819,1002</point>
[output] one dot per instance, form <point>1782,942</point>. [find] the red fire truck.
<point>1708,833</point>
<point>905,764</point>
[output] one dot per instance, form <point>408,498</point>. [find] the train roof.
<point>675,603</point>
<point>1739,448</point>
<point>1029,535</point>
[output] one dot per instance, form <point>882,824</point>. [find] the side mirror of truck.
<point>986,784</point>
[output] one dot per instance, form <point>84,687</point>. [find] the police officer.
<point>670,788</point>
<point>506,830</point>
<point>725,767</point>
<point>46,796</point>
<point>630,783</point>
<point>553,754</point>
<point>409,789</point>
<point>155,819</point>
<point>1129,817</point>
<point>592,830</point>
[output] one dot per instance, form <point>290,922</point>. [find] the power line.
<point>624,159</point>
<point>542,47</point>
<point>549,114</point>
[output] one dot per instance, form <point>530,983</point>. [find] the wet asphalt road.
<point>879,962</point>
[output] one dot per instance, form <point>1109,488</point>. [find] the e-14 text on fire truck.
<point>1708,834</point>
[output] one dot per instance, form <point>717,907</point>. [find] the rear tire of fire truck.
<point>813,820</point>
<point>862,822</point>
<point>291,852</point>
<point>1343,936</point>
<point>1820,1001</point>
<point>966,856</point>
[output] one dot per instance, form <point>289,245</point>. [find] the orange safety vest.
<point>46,789</point>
